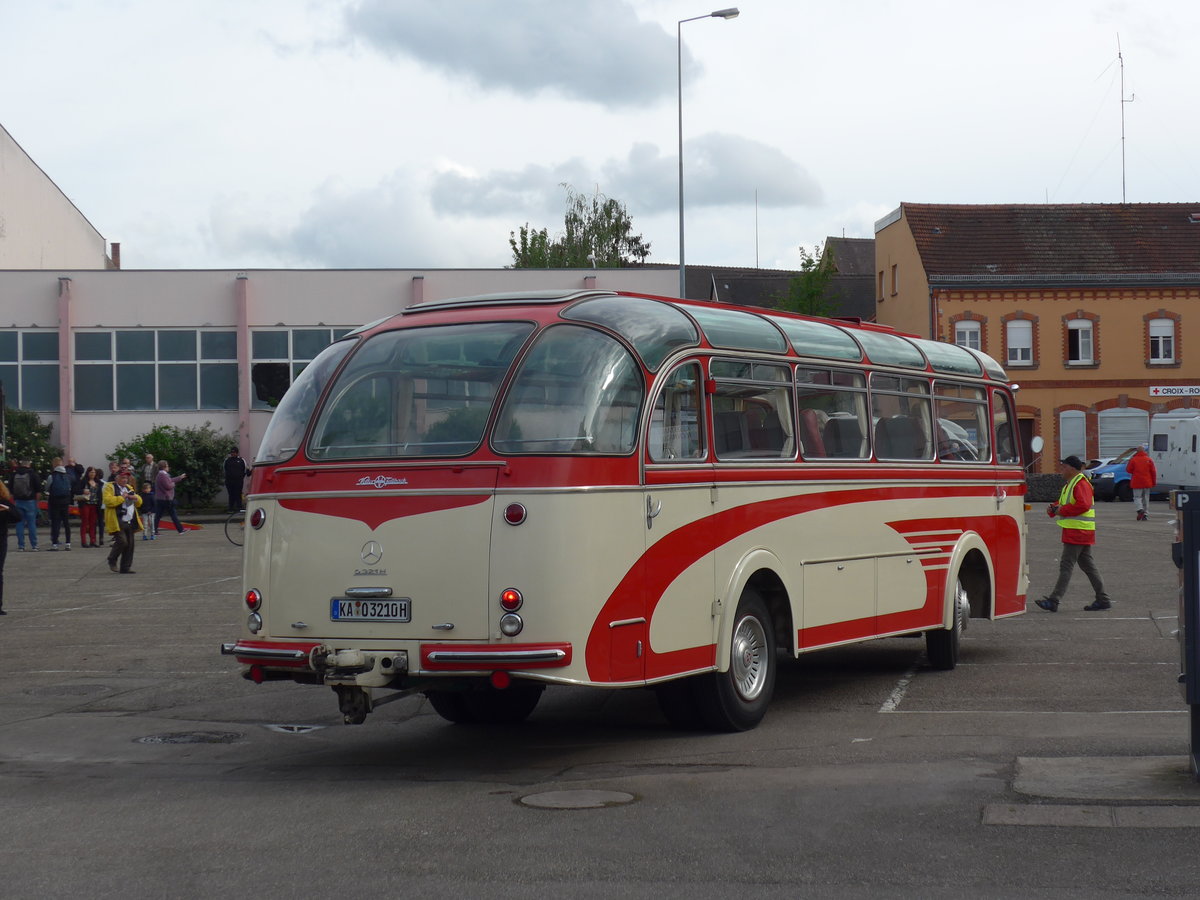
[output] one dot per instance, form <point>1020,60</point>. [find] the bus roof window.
<point>654,328</point>
<point>949,358</point>
<point>819,339</point>
<point>735,330</point>
<point>890,349</point>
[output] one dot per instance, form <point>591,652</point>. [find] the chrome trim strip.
<point>265,653</point>
<point>354,592</point>
<point>507,656</point>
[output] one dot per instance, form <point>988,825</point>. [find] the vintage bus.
<point>480,497</point>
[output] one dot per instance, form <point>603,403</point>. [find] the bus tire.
<point>487,705</point>
<point>737,699</point>
<point>677,701</point>
<point>941,644</point>
<point>450,706</point>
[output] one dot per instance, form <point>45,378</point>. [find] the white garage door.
<point>1121,429</point>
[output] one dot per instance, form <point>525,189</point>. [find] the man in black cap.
<point>1076,515</point>
<point>235,478</point>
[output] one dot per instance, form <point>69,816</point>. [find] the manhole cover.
<point>582,799</point>
<point>192,737</point>
<point>294,729</point>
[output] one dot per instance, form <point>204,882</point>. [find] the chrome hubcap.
<point>749,658</point>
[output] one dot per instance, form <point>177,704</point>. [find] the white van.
<point>1175,448</point>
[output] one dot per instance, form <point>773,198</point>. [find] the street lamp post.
<point>730,13</point>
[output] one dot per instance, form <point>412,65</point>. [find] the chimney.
<point>115,254</point>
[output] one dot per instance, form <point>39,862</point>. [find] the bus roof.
<point>727,327</point>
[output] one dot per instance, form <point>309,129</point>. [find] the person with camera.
<point>121,502</point>
<point>1076,515</point>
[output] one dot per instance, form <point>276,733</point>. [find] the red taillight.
<point>253,600</point>
<point>511,600</point>
<point>258,518</point>
<point>514,514</point>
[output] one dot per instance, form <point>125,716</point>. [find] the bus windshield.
<point>417,392</point>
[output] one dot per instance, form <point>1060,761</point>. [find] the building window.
<point>895,279</point>
<point>880,287</point>
<point>145,369</point>
<point>279,355</point>
<point>29,369</point>
<point>1018,335</point>
<point>967,334</point>
<point>1079,343</point>
<point>1072,433</point>
<point>1162,341</point>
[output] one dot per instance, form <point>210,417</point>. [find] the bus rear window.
<point>577,391</point>
<point>417,392</point>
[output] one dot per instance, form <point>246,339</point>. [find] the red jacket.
<point>1141,470</point>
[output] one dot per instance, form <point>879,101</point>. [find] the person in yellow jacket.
<point>121,502</point>
<point>1076,515</point>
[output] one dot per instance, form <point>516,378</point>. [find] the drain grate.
<point>294,729</point>
<point>192,737</point>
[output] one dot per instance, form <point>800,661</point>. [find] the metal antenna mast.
<point>1121,60</point>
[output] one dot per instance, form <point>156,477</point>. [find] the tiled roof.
<point>1079,239</point>
<point>852,256</point>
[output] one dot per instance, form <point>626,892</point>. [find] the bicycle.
<point>235,528</point>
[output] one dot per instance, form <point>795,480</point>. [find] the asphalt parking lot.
<point>1052,763</point>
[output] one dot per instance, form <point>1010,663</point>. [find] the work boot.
<point>1047,604</point>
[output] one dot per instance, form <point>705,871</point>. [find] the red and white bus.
<point>476,498</point>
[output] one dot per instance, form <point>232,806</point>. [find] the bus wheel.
<point>941,645</point>
<point>737,700</point>
<point>487,705</point>
<point>450,705</point>
<point>677,701</point>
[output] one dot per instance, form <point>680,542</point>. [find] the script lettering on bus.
<point>380,481</point>
<point>358,572</point>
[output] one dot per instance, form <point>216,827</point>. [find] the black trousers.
<point>123,546</point>
<point>234,490</point>
<point>60,518</point>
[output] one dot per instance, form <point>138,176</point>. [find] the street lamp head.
<point>731,13</point>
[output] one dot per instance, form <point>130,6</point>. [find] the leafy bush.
<point>196,452</point>
<point>26,436</point>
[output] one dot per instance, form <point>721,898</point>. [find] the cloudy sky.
<point>419,133</point>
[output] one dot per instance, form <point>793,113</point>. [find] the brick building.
<point>1086,306</point>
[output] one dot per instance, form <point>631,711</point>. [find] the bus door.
<point>680,558</point>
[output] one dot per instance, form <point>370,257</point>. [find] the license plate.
<point>397,610</point>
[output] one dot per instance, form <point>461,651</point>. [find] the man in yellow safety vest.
<point>1076,516</point>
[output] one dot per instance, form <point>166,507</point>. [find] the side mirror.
<point>1037,444</point>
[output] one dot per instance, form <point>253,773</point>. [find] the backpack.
<point>60,484</point>
<point>22,486</point>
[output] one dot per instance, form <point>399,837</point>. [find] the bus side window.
<point>675,426</point>
<point>1003,421</point>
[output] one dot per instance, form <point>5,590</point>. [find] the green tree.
<point>597,232</point>
<point>26,436</point>
<point>197,452</point>
<point>808,292</point>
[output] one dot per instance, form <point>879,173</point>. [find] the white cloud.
<point>592,50</point>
